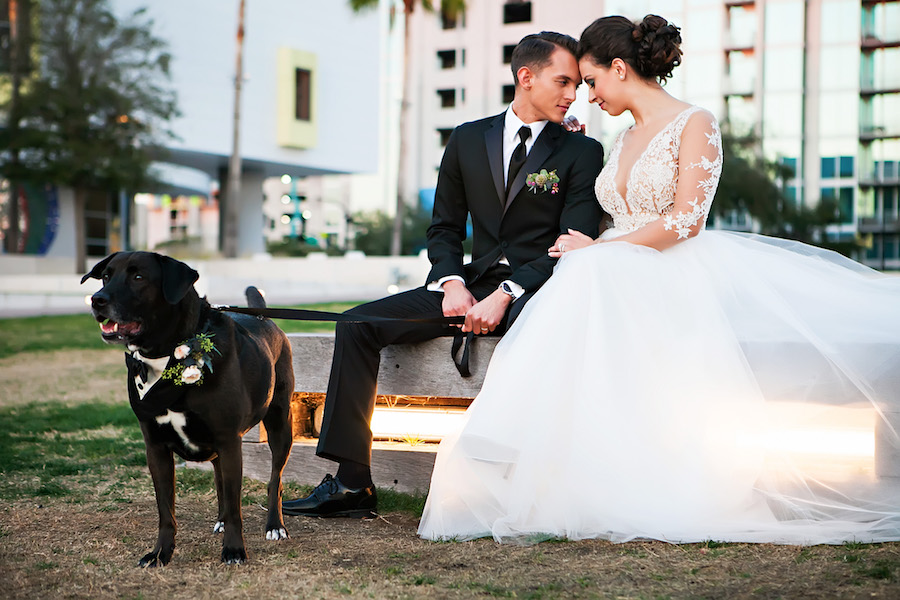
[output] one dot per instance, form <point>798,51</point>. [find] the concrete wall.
<point>32,285</point>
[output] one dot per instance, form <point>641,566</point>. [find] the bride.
<point>674,383</point>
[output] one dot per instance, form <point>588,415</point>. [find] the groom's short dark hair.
<point>534,50</point>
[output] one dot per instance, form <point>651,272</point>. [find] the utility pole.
<point>233,190</point>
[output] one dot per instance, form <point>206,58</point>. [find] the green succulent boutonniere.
<point>192,356</point>
<point>543,180</point>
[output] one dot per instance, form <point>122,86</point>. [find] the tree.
<point>450,9</point>
<point>753,185</point>
<point>94,113</point>
<point>375,231</point>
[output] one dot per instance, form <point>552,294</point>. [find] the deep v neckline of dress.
<point>615,184</point>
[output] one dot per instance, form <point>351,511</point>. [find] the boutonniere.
<point>191,357</point>
<point>543,180</point>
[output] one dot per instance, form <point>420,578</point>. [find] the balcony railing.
<point>871,42</point>
<point>868,134</point>
<point>872,181</point>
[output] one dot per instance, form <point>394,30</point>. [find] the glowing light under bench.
<point>431,424</point>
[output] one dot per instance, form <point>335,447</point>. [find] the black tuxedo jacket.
<point>521,225</point>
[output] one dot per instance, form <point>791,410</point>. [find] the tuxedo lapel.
<point>493,141</point>
<point>542,149</point>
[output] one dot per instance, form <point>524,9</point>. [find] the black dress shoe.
<point>331,498</point>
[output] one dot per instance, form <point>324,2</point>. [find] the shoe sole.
<point>364,513</point>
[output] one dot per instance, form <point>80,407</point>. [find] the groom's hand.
<point>486,315</point>
<point>457,299</point>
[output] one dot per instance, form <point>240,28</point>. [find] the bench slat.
<point>423,369</point>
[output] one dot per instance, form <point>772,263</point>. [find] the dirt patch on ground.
<point>91,551</point>
<point>66,375</point>
<point>89,547</point>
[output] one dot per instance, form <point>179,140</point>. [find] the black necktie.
<point>518,156</point>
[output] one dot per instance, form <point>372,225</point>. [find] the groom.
<point>483,174</point>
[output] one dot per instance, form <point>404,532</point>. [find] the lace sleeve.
<point>699,169</point>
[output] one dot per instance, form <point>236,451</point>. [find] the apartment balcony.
<point>868,91</point>
<point>739,42</point>
<point>870,43</point>
<point>870,134</point>
<point>876,225</point>
<point>877,182</point>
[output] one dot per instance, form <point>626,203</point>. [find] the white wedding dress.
<point>733,387</point>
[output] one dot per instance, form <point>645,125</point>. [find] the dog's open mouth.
<point>112,330</point>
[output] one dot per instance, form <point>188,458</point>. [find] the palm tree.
<point>450,9</point>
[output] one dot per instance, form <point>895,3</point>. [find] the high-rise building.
<point>818,81</point>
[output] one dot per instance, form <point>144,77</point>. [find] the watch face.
<point>506,289</point>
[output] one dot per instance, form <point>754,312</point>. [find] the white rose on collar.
<point>181,351</point>
<point>191,374</point>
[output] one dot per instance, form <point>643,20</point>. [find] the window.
<point>889,171</point>
<point>889,202</point>
<point>509,92</point>
<point>890,246</point>
<point>873,252</point>
<point>846,166</point>
<point>828,167</point>
<point>507,53</point>
<point>845,204</point>
<point>790,163</point>
<point>448,98</point>
<point>302,98</point>
<point>517,12</point>
<point>791,193</point>
<point>447,58</point>
<point>445,136</point>
<point>448,22</point>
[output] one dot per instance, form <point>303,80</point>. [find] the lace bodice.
<point>670,180</point>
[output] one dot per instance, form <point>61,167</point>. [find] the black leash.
<point>301,314</point>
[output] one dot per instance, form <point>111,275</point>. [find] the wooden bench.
<point>411,375</point>
<point>422,375</point>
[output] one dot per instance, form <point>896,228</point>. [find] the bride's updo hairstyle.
<point>652,47</point>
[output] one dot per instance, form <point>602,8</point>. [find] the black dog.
<point>198,380</point>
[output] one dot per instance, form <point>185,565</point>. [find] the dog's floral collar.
<point>191,357</point>
<point>542,180</point>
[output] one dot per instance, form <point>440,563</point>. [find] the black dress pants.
<point>350,398</point>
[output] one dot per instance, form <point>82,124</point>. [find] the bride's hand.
<point>568,242</point>
<point>570,123</point>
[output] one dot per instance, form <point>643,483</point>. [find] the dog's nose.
<point>99,300</point>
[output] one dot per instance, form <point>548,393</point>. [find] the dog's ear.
<point>97,271</point>
<point>177,278</point>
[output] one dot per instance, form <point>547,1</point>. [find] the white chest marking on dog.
<point>155,367</point>
<point>178,422</point>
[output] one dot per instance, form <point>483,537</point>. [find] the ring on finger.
<point>562,247</point>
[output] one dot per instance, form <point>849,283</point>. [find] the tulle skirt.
<point>733,388</point>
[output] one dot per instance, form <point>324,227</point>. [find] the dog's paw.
<point>277,534</point>
<point>219,527</point>
<point>234,556</point>
<point>157,558</point>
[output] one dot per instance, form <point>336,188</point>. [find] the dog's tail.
<point>254,298</point>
